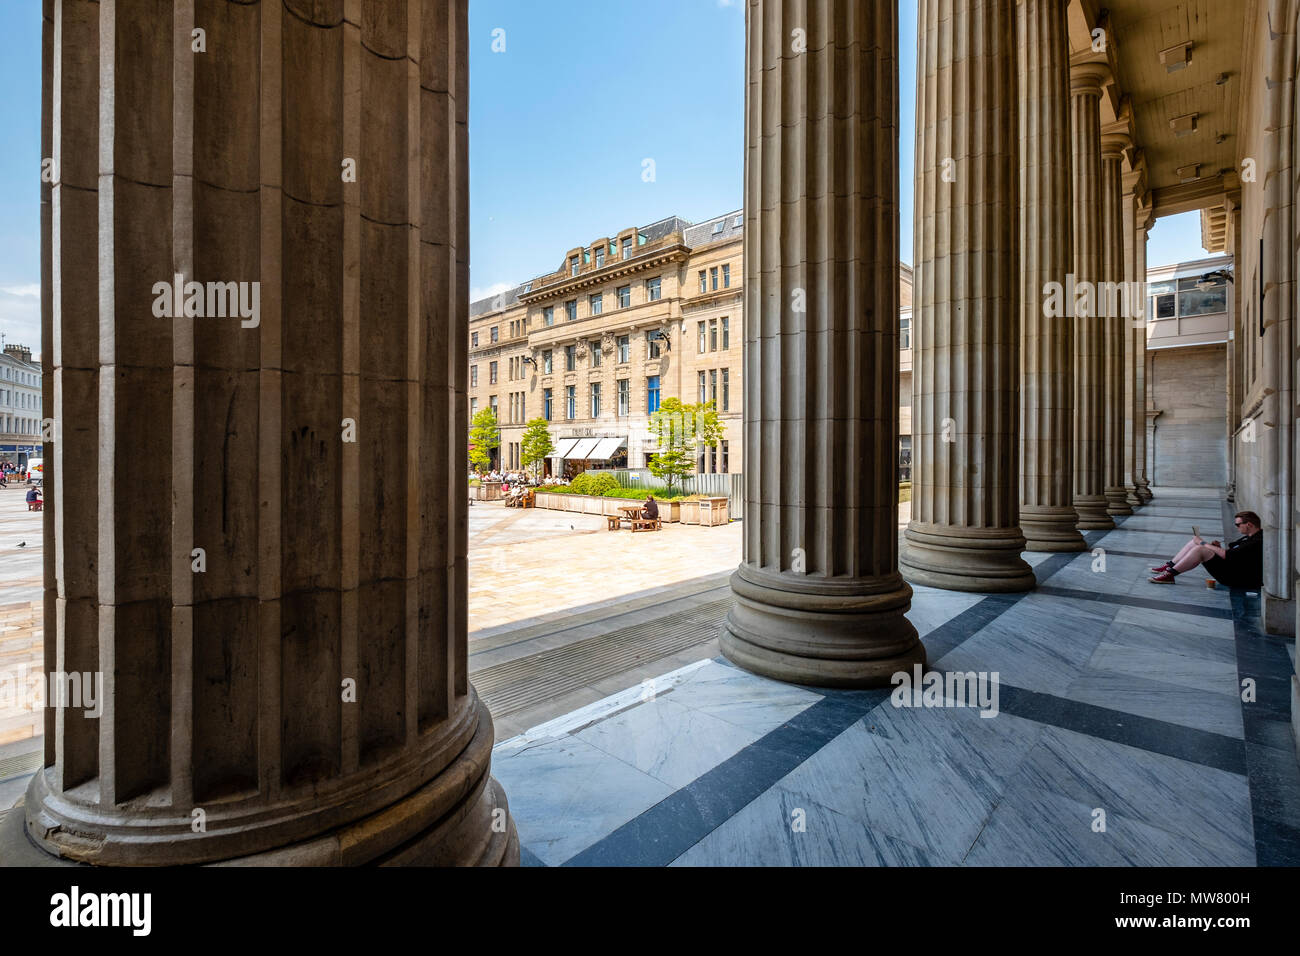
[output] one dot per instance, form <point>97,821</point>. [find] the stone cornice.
<point>567,285</point>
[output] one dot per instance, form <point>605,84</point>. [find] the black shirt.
<point>652,509</point>
<point>1245,560</point>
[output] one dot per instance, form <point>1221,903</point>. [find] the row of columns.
<point>1023,425</point>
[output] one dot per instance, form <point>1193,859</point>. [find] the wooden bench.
<point>645,524</point>
<point>614,521</point>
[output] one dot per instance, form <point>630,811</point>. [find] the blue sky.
<point>561,123</point>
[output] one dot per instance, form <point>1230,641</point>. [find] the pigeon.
<point>22,544</point>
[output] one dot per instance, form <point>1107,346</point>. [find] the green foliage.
<point>680,430</point>
<point>535,446</point>
<point>632,494</point>
<point>483,438</point>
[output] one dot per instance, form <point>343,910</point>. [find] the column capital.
<point>1087,77</point>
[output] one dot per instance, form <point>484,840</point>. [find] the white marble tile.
<point>738,697</point>
<point>932,608</point>
<point>1175,622</point>
<point>566,794</point>
<point>1217,713</point>
<point>1201,805</point>
<point>671,743</point>
<point>1217,677</point>
<point>781,828</point>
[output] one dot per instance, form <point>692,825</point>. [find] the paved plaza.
<point>1120,738</point>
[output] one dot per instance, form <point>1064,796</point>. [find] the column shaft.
<point>281,648</point>
<point>1140,367</point>
<point>819,599</point>
<point>1047,513</point>
<point>1089,340</point>
<point>1129,238</point>
<point>965,530</point>
<point>1113,324</point>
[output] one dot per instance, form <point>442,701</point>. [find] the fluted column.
<point>1113,321</point>
<point>1140,365</point>
<point>819,599</point>
<point>965,530</point>
<point>1131,354</point>
<point>1089,341</point>
<point>1047,514</point>
<point>281,645</point>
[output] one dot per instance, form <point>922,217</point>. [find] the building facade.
<point>20,405</point>
<point>623,324</point>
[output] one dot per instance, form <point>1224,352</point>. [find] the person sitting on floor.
<point>1239,565</point>
<point>651,509</point>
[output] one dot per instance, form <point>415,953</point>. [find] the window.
<point>905,332</point>
<point>652,290</point>
<point>713,335</point>
<point>548,315</point>
<point>704,341</point>
<point>652,344</point>
<point>726,389</point>
<point>736,223</point>
<point>546,404</point>
<point>713,277</point>
<point>627,248</point>
<point>571,309</point>
<point>624,349</point>
<point>704,281</point>
<point>492,403</point>
<point>593,349</point>
<point>624,296</point>
<point>492,373</point>
<point>624,397</point>
<point>473,407</point>
<point>492,333</point>
<point>1193,299</point>
<point>595,399</point>
<point>713,385</point>
<point>546,362</point>
<point>573,265</point>
<point>600,257</point>
<point>726,457</point>
<point>570,359</point>
<point>703,395</point>
<point>652,394</point>
<point>571,401</point>
<point>473,341</point>
<point>726,333</point>
<point>719,226</point>
<point>596,304</point>
<point>473,376</point>
<point>726,276</point>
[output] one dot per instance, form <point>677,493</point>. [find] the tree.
<point>536,445</point>
<point>681,430</point>
<point>484,438</point>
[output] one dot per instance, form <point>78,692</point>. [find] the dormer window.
<point>719,226</point>
<point>600,257</point>
<point>627,248</point>
<point>573,265</point>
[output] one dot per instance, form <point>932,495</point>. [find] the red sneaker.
<point>1164,567</point>
<point>1166,578</point>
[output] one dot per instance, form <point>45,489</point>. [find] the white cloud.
<point>20,315</point>
<point>480,293</point>
<point>728,3</point>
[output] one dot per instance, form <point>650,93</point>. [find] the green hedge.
<point>606,486</point>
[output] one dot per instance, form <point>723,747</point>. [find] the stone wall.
<point>1188,446</point>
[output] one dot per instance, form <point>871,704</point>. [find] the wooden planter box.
<point>690,512</point>
<point>594,505</point>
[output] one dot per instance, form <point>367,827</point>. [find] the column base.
<point>1144,490</point>
<point>458,818</point>
<point>1116,505</point>
<point>966,559</point>
<point>1051,528</point>
<point>1092,513</point>
<point>819,632</point>
<point>1131,497</point>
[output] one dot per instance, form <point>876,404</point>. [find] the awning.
<point>607,448</point>
<point>582,448</point>
<point>562,447</point>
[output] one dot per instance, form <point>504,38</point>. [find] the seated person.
<point>650,508</point>
<point>1239,565</point>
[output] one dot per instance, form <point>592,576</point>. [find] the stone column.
<point>819,599</point>
<point>965,530</point>
<point>1047,513</point>
<point>1140,363</point>
<point>1128,237</point>
<point>281,643</point>
<point>1113,322</point>
<point>1089,342</point>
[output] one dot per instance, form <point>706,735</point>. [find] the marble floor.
<point>1118,736</point>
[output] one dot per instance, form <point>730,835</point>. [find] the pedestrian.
<point>1239,565</point>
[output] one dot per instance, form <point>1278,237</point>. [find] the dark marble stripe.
<point>1144,733</point>
<point>1127,599</point>
<point>1138,554</point>
<point>1271,764</point>
<point>528,858</point>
